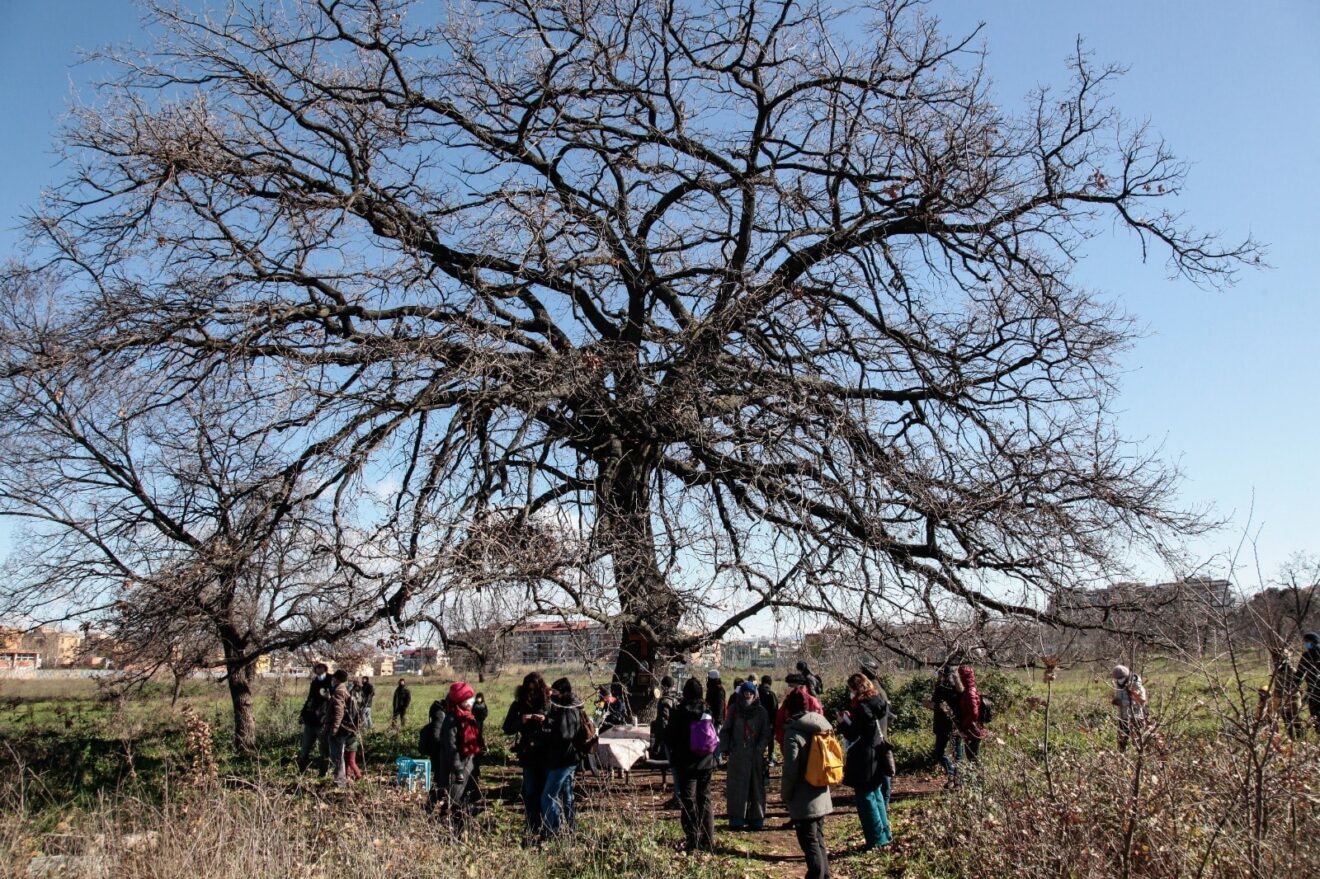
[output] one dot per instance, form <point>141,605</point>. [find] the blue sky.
<point>1224,382</point>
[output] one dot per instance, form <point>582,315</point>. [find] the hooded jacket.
<point>556,746</point>
<point>804,801</point>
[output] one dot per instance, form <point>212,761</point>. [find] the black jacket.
<point>1308,666</point>
<point>556,746</point>
<point>527,745</point>
<point>864,730</point>
<point>945,698</point>
<point>679,741</point>
<point>769,701</point>
<point>428,739</point>
<point>368,694</point>
<point>313,710</point>
<point>402,699</point>
<point>717,702</point>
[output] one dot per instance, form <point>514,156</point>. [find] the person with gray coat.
<point>807,804</point>
<point>744,738</point>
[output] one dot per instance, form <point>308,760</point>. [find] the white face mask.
<point>467,703</point>
<point>321,676</point>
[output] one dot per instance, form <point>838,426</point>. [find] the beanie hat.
<point>747,687</point>
<point>713,675</point>
<point>460,692</point>
<point>562,685</point>
<point>1121,672</point>
<point>1312,637</point>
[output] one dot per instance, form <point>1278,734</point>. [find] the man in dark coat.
<point>717,700</point>
<point>664,709</point>
<point>402,699</point>
<point>311,717</point>
<point>815,686</point>
<point>770,702</point>
<point>1308,667</point>
<point>559,749</point>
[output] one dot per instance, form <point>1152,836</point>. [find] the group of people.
<point>1281,699</point>
<point>334,715</point>
<point>696,730</point>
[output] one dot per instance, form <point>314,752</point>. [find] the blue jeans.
<point>942,740</point>
<point>533,786</point>
<point>874,817</point>
<point>557,800</point>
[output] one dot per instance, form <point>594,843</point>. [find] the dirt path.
<point>774,852</point>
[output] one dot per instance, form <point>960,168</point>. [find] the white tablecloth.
<point>621,747</point>
<point>620,753</point>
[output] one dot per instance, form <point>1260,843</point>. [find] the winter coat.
<point>677,736</point>
<point>945,699</point>
<point>402,699</point>
<point>716,701</point>
<point>368,694</point>
<point>745,737</point>
<point>452,766</point>
<point>313,709</point>
<point>805,801</point>
<point>556,740</point>
<point>969,706</point>
<point>336,708</point>
<point>864,729</point>
<point>664,712</point>
<point>782,718</point>
<point>1130,699</point>
<point>428,739</point>
<point>1308,666</point>
<point>769,702</point>
<point>528,743</point>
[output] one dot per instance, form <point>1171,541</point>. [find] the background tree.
<point>771,300</point>
<point>186,531</point>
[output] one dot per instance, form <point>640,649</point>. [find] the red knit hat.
<point>460,692</point>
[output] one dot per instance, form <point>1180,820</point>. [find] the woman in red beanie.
<point>460,743</point>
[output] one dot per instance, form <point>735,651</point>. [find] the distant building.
<point>382,665</point>
<point>560,642</point>
<point>754,654</point>
<point>415,660</point>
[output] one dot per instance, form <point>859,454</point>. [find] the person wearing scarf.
<point>460,743</point>
<point>969,712</point>
<point>744,738</point>
<point>864,769</point>
<point>797,684</point>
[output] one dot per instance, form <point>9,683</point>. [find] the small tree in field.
<point>772,302</point>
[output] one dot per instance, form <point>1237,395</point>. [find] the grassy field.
<point>100,783</point>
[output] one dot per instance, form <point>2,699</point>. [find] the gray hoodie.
<point>804,801</point>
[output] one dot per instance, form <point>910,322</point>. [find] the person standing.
<point>460,743</point>
<point>770,704</point>
<point>945,706</point>
<point>524,720</point>
<point>1285,693</point>
<point>691,725</point>
<point>664,710</point>
<point>312,718</point>
<point>797,684</point>
<point>807,804</point>
<point>1130,699</point>
<point>402,699</point>
<point>716,697</point>
<point>338,725</point>
<point>368,693</point>
<point>560,743</point>
<point>864,769</point>
<point>743,738</point>
<point>815,686</point>
<point>428,743</point>
<point>1309,669</point>
<point>970,729</point>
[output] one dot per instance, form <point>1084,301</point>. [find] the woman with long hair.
<point>525,719</point>
<point>864,769</point>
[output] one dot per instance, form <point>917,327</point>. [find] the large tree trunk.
<point>649,604</point>
<point>241,672</point>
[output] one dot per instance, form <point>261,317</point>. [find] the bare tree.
<point>175,522</point>
<point>771,300</point>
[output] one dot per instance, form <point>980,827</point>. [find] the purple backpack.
<point>702,738</point>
